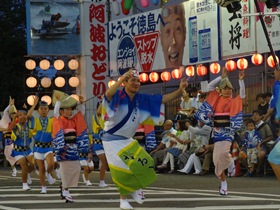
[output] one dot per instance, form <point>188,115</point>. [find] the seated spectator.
<point>250,146</point>
<point>186,103</point>
<point>159,153</point>
<point>177,144</point>
<point>267,139</point>
<point>202,136</point>
<point>262,103</point>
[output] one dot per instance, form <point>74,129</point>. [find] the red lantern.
<point>176,74</point>
<point>257,59</point>
<point>271,62</point>
<point>190,71</point>
<point>111,82</point>
<point>215,68</point>
<point>153,77</point>
<point>144,77</point>
<point>165,76</point>
<point>230,65</point>
<point>242,63</point>
<point>201,70</point>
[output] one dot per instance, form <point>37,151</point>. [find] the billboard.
<point>170,37</point>
<point>54,27</point>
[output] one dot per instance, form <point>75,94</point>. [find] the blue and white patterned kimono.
<point>130,165</point>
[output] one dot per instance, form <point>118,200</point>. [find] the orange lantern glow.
<point>144,77</point>
<point>201,70</point>
<point>230,65</point>
<point>271,62</point>
<point>111,82</point>
<point>215,68</point>
<point>257,59</point>
<point>165,76</point>
<point>190,71</point>
<point>176,74</point>
<point>242,63</point>
<point>153,77</point>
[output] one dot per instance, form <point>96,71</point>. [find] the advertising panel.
<point>272,23</point>
<point>170,37</point>
<point>54,27</point>
<point>238,31</point>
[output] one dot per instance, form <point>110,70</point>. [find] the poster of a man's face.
<point>173,35</point>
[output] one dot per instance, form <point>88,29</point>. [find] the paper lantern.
<point>73,64</point>
<point>76,97</point>
<point>230,65</point>
<point>242,63</point>
<point>176,74</point>
<point>153,77</point>
<point>44,64</point>
<point>46,82</point>
<point>270,61</point>
<point>144,77</point>
<point>257,59</point>
<point>47,99</point>
<point>30,64</point>
<point>30,99</point>
<point>115,7</point>
<point>144,3</point>
<point>215,68</point>
<point>58,64</point>
<point>74,81</point>
<point>201,70</point>
<point>165,76</point>
<point>31,82</point>
<point>124,11</point>
<point>111,82</point>
<point>59,81</point>
<point>190,71</point>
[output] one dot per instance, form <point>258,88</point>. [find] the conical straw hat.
<point>66,101</point>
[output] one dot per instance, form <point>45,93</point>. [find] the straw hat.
<point>225,82</point>
<point>12,109</point>
<point>66,101</point>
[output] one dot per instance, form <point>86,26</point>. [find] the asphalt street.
<point>170,191</point>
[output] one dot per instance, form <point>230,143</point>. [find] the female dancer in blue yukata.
<point>227,114</point>
<point>22,137</point>
<point>43,149</point>
<point>131,167</point>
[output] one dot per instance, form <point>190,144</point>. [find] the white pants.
<point>193,160</point>
<point>169,157</point>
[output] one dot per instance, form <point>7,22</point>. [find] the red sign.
<point>146,45</point>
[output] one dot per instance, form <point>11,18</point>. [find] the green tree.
<point>13,48</point>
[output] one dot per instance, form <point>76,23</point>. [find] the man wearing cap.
<point>227,115</point>
<point>43,150</point>
<point>70,139</point>
<point>123,110</point>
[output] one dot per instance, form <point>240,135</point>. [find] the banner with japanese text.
<point>94,53</point>
<point>238,31</point>
<point>170,37</point>
<point>272,23</point>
